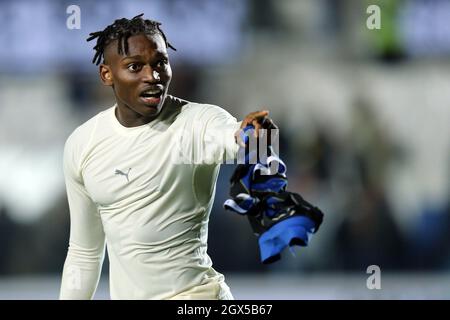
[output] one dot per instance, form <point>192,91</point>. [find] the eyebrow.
<point>158,54</point>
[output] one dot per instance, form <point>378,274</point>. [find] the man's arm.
<point>85,255</point>
<point>221,138</point>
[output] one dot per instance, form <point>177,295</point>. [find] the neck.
<point>130,118</point>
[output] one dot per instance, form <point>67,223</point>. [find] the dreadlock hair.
<point>121,30</point>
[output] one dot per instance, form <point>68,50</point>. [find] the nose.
<point>150,75</point>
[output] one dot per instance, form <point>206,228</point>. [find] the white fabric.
<point>127,188</point>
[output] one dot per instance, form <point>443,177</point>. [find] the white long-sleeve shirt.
<point>146,192</point>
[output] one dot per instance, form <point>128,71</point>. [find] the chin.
<point>151,110</point>
<point>148,110</point>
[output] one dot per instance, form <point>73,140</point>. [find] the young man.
<point>126,191</point>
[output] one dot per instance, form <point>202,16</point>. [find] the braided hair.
<point>121,30</point>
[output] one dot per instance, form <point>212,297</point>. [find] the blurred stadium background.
<point>365,132</point>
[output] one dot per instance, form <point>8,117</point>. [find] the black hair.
<point>121,30</point>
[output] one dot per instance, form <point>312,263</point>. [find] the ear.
<point>106,74</point>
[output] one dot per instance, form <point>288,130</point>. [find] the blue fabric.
<point>276,239</point>
<point>254,188</point>
<point>242,205</point>
<point>271,185</point>
<point>272,203</point>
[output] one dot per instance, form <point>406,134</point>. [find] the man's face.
<point>140,79</point>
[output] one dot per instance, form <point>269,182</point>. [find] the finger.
<point>253,115</point>
<point>245,122</point>
<point>265,113</point>
<point>260,114</point>
<point>257,126</point>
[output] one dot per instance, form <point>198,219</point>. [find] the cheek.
<point>124,84</point>
<point>168,74</point>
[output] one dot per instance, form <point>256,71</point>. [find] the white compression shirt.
<point>128,190</point>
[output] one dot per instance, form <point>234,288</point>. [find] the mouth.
<point>152,97</point>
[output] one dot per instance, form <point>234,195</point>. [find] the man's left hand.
<point>259,120</point>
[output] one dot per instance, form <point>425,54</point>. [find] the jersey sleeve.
<point>217,141</point>
<point>85,255</point>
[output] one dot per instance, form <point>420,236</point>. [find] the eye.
<point>134,67</point>
<point>162,63</point>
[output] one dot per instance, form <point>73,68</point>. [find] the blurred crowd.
<point>363,119</point>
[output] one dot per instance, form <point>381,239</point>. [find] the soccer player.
<point>124,189</point>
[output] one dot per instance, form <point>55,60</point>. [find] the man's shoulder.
<point>83,133</point>
<point>200,110</point>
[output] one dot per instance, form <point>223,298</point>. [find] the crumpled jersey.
<point>279,218</point>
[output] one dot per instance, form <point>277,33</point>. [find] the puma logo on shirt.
<point>119,172</point>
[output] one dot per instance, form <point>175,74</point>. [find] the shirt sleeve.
<point>217,139</point>
<point>85,255</point>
